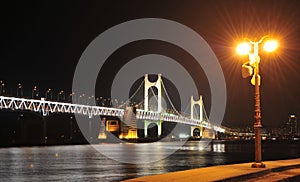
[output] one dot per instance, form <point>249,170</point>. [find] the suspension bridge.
<point>130,115</point>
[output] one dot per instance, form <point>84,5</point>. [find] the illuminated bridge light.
<point>45,107</point>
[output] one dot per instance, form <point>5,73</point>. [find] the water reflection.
<point>219,147</point>
<point>84,163</point>
<point>138,153</point>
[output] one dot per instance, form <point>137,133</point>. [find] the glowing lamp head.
<point>243,48</point>
<point>271,45</point>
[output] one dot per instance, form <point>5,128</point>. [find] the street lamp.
<point>2,88</point>
<point>71,97</point>
<point>48,94</point>
<point>19,90</point>
<point>62,94</point>
<point>34,92</point>
<point>1,82</point>
<point>251,68</point>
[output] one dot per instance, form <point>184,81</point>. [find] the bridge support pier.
<point>129,126</point>
<point>102,132</point>
<point>159,127</point>
<point>200,131</point>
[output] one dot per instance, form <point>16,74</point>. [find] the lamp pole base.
<point>258,165</point>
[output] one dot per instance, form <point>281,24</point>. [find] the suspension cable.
<point>128,100</point>
<point>169,98</point>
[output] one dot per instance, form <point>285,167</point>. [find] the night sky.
<point>42,42</point>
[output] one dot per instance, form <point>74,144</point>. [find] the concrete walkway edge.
<point>232,172</point>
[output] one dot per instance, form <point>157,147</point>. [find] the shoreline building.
<point>291,126</point>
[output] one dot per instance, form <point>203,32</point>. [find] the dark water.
<point>84,163</point>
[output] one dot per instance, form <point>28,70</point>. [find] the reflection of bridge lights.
<point>219,147</point>
<point>182,135</point>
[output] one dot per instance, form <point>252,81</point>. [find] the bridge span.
<point>45,107</point>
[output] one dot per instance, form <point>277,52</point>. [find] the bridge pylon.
<point>147,86</point>
<point>201,107</point>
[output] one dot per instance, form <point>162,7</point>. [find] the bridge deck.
<point>46,107</point>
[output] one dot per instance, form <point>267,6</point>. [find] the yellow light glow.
<point>102,136</point>
<point>132,134</point>
<point>271,45</point>
<point>243,48</point>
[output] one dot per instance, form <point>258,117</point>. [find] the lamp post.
<point>71,97</point>
<point>62,94</point>
<point>1,82</point>
<point>19,90</point>
<point>48,94</point>
<point>252,69</point>
<point>34,92</point>
<point>2,88</point>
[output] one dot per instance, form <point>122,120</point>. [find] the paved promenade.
<point>274,171</point>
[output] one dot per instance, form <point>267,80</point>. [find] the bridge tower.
<point>200,103</point>
<point>102,132</point>
<point>148,85</point>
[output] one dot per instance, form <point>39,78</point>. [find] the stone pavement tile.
<point>217,173</point>
<point>277,176</point>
